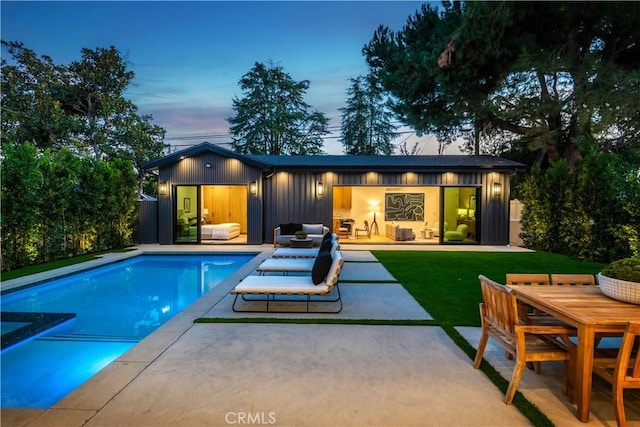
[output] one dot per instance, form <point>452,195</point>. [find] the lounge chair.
<point>291,265</point>
<point>278,289</point>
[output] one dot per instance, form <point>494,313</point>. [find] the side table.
<point>426,234</point>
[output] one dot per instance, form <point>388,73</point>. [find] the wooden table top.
<point>586,305</point>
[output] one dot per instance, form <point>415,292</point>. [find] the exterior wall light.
<point>496,189</point>
<point>163,188</point>
<point>207,165</point>
<point>253,188</point>
<point>320,189</point>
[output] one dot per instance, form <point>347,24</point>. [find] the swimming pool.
<point>58,334</point>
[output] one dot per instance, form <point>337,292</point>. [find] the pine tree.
<point>272,117</point>
<point>366,121</point>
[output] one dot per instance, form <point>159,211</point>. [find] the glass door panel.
<point>187,225</point>
<point>459,213</point>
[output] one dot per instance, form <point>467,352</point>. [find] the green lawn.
<point>446,283</point>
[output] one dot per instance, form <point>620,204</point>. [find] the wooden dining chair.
<point>532,316</point>
<point>527,314</point>
<point>623,372</point>
<point>531,279</point>
<point>578,280</point>
<point>573,280</point>
<point>527,343</point>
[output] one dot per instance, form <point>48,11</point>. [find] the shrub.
<point>588,210</point>
<point>624,269</point>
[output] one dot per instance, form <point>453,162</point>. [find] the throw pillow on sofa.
<point>321,267</point>
<point>289,229</point>
<point>285,229</point>
<point>313,228</point>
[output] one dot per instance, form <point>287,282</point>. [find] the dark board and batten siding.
<point>223,171</point>
<point>146,222</point>
<point>495,210</point>
<point>287,185</point>
<point>292,197</point>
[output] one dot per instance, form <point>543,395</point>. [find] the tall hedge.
<point>590,210</point>
<point>56,204</point>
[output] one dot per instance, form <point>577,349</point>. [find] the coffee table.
<point>301,243</point>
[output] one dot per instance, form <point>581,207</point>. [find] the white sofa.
<point>315,231</point>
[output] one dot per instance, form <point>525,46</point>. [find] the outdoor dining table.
<point>590,312</point>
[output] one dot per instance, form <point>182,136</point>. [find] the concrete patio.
<point>187,374</point>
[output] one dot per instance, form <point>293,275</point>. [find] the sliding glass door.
<point>187,225</point>
<point>460,215</point>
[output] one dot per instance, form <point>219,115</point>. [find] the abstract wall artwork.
<point>404,206</point>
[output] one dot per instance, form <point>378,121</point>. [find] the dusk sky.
<point>189,56</point>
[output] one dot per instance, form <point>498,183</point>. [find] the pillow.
<point>325,245</point>
<point>285,229</point>
<point>313,228</point>
<point>327,237</point>
<point>321,267</point>
<point>295,227</point>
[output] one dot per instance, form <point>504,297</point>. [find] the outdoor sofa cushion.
<point>313,228</point>
<point>290,228</point>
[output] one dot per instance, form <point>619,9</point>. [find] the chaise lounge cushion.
<point>321,267</point>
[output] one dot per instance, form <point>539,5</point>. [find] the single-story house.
<point>207,194</point>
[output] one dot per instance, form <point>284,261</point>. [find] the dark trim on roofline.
<point>201,148</point>
<point>349,164</point>
<point>397,169</point>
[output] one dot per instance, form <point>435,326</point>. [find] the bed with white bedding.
<point>224,231</point>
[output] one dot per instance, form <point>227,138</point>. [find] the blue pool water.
<point>115,307</point>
